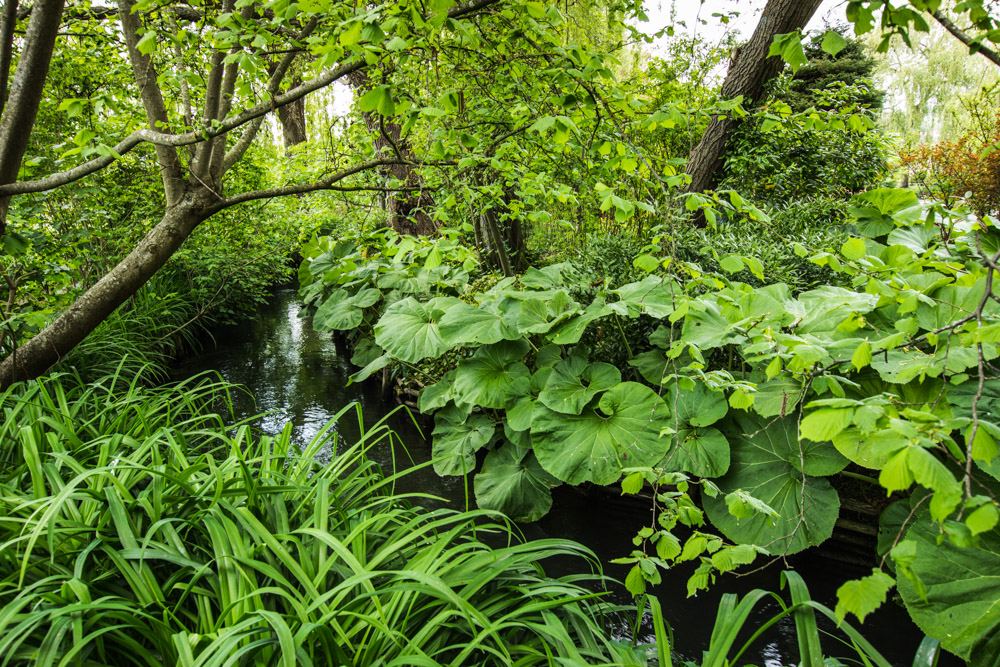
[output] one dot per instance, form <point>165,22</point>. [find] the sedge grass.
<point>139,526</point>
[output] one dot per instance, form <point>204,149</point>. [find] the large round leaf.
<point>622,430</point>
<point>574,382</point>
<point>651,296</point>
<point>494,377</point>
<point>695,406</point>
<point>953,593</point>
<point>464,324</point>
<point>342,311</point>
<point>700,451</point>
<point>410,330</point>
<point>770,463</point>
<point>457,438</point>
<point>512,481</point>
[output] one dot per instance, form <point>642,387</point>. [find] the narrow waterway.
<point>296,375</point>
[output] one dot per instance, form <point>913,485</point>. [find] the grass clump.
<point>138,526</point>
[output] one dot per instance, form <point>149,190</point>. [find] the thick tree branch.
<point>7,24</point>
<point>197,136</point>
<point>21,108</point>
<point>185,139</point>
<point>327,183</point>
<point>152,100</point>
<point>961,36</point>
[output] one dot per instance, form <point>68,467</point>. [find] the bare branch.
<point>324,184</point>
<point>961,36</point>
<point>152,100</point>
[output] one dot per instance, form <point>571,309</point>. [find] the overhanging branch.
<point>963,37</point>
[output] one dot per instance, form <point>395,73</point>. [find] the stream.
<point>297,376</point>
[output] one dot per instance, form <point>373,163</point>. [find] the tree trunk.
<point>748,74</point>
<point>407,210</point>
<point>52,343</point>
<point>293,123</point>
<point>21,107</point>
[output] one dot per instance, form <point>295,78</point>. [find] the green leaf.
<point>494,377</point>
<point>463,324</point>
<point>771,464</point>
<point>862,355</point>
<point>789,47</point>
<point>863,596</point>
<point>512,482</point>
<point>701,451</point>
<point>697,406</point>
<point>574,382</point>
<point>651,296</point>
<point>952,591</point>
<point>342,312</point>
<point>879,211</point>
<point>410,330</point>
<point>378,100</point>
<point>456,440</point>
<point>833,42</point>
<point>731,264</point>
<point>824,424</point>
<point>853,248</point>
<point>646,263</point>
<point>983,519</point>
<point>621,431</point>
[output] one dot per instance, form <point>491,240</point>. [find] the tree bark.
<point>56,340</point>
<point>407,210</point>
<point>749,72</point>
<point>21,106</point>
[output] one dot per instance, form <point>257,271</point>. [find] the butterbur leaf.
<point>621,431</point>
<point>512,482</point>
<point>574,382</point>
<point>701,451</point>
<point>410,330</point>
<point>494,377</point>
<point>457,438</point>
<point>463,324</point>
<point>951,591</point>
<point>770,464</point>
<point>863,596</point>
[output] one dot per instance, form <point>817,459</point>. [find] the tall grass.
<point>142,336</point>
<point>138,527</point>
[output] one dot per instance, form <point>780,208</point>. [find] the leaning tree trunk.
<point>56,340</point>
<point>749,72</point>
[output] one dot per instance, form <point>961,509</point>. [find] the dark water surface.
<point>297,376</point>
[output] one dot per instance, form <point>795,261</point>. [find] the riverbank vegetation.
<point>748,279</point>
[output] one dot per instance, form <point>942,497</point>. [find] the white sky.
<point>700,16</point>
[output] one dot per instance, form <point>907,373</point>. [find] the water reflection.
<point>298,377</point>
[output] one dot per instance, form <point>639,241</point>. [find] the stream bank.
<point>296,375</point>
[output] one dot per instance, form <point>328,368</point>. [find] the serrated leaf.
<point>863,596</point>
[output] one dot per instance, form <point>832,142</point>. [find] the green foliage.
<point>815,136</point>
<point>733,621</point>
<point>141,528</point>
<point>950,584</point>
<point>753,394</point>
